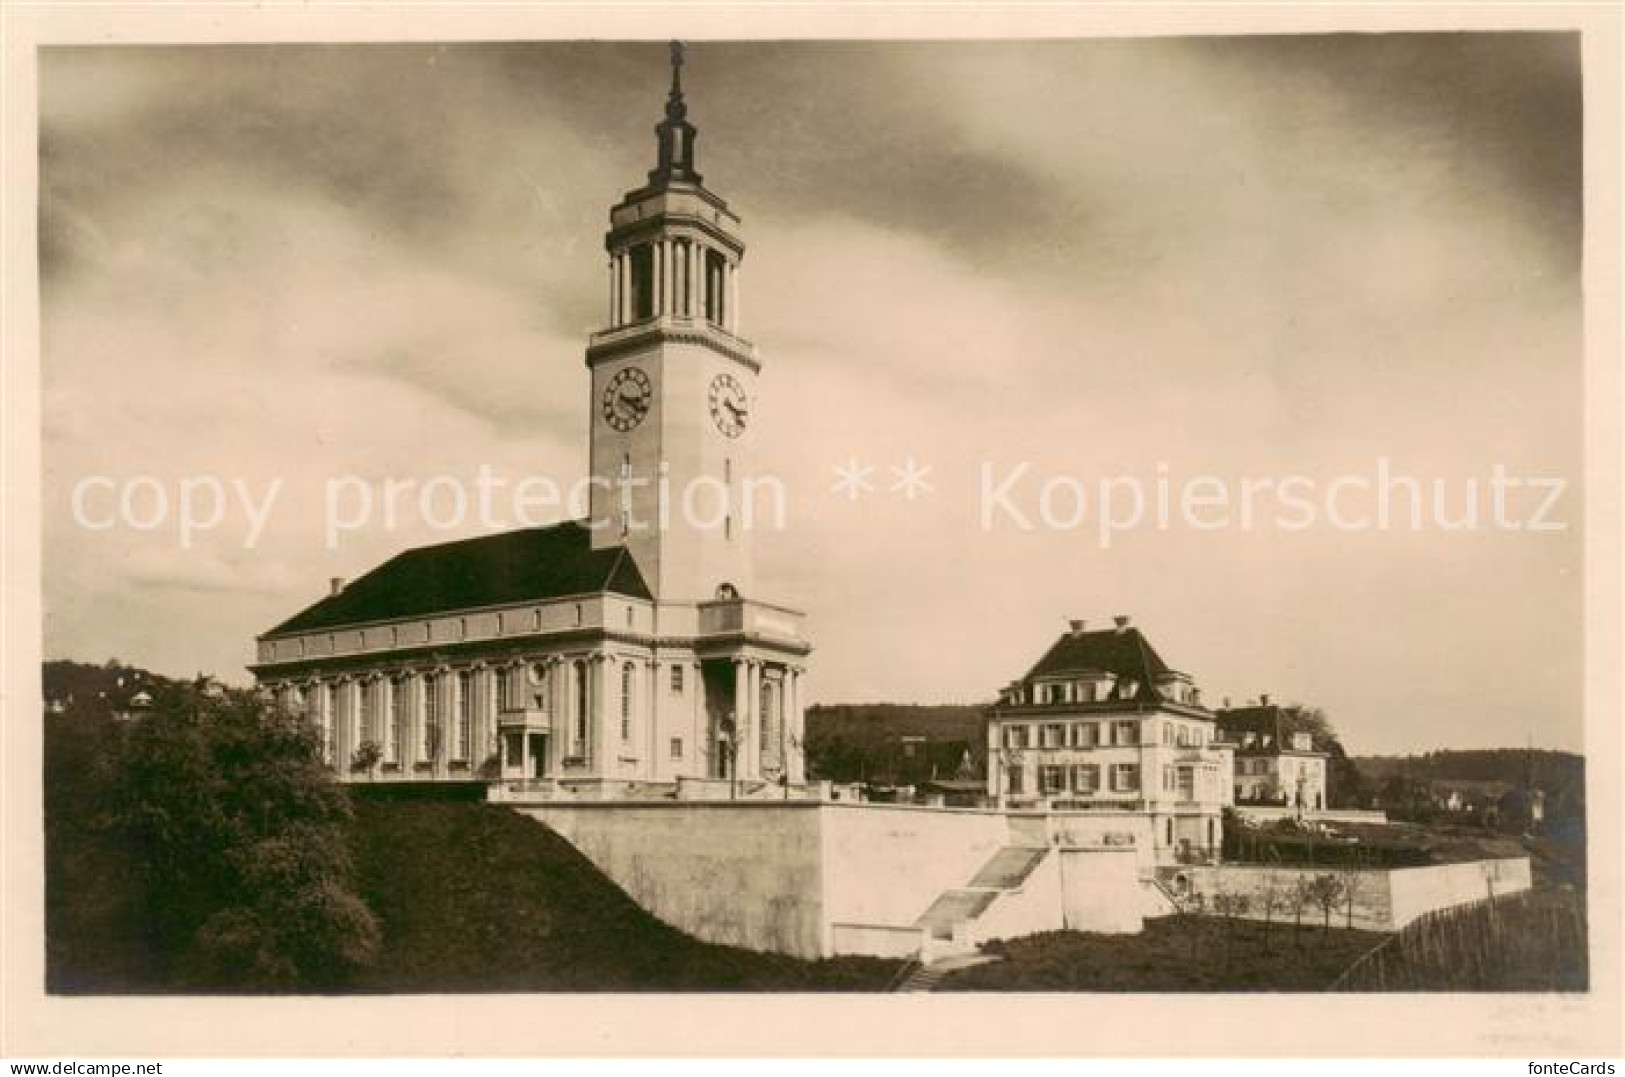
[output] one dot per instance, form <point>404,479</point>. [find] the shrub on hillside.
<point>239,835</point>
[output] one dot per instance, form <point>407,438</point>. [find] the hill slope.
<point>475,897</point>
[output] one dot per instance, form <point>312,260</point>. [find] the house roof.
<point>1124,652</point>
<point>514,566</point>
<point>1272,718</point>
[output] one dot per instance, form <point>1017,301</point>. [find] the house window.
<point>1015,736</point>
<point>1167,733</point>
<point>677,679</point>
<point>1014,780</point>
<point>1125,777</point>
<point>465,714</point>
<point>1055,736</point>
<point>626,701</point>
<point>1170,780</point>
<point>1086,778</point>
<point>1051,780</point>
<point>677,747</point>
<point>1125,732</point>
<point>431,717</point>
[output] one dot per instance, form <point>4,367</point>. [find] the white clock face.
<point>627,398</point>
<point>730,407</point>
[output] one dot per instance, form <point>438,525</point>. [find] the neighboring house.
<point>617,654</point>
<point>1490,802</point>
<point>134,707</point>
<point>1102,724</point>
<point>1277,762</point>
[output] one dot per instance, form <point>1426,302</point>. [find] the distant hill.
<point>895,743</point>
<point>1548,770</point>
<point>94,690</point>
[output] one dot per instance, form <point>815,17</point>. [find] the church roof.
<point>1122,651</point>
<point>493,570</point>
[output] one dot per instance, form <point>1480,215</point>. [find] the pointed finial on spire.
<point>675,134</point>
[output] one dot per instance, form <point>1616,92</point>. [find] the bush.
<point>238,831</point>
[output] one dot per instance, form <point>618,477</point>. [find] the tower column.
<point>696,286</point>
<point>733,297</point>
<point>657,281</point>
<point>614,291</point>
<point>623,300</point>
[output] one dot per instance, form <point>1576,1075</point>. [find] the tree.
<point>1229,905</point>
<point>239,833</point>
<point>1325,891</point>
<point>1273,897</point>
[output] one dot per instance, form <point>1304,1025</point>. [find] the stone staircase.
<point>945,923</point>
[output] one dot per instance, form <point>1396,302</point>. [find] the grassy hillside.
<point>474,897</point>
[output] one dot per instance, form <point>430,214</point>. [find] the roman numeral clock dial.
<point>730,408</point>
<point>626,399</point>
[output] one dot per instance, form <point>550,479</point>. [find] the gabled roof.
<point>514,566</point>
<point>1124,652</point>
<point>1272,718</point>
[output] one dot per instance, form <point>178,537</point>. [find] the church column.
<point>696,288</point>
<point>668,282</point>
<point>614,291</point>
<point>596,716</point>
<point>732,307</point>
<point>651,722</point>
<point>657,279</point>
<point>753,704</point>
<point>794,762</point>
<point>741,717</point>
<point>623,300</point>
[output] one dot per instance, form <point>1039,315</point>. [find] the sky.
<point>1225,257</point>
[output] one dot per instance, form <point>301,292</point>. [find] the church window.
<point>465,714</point>
<point>328,702</point>
<point>677,678</point>
<point>578,613</point>
<point>582,699</point>
<point>394,746</point>
<point>626,701</point>
<point>364,715</point>
<point>535,620</point>
<point>431,716</point>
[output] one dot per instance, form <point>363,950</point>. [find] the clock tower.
<point>673,382</point>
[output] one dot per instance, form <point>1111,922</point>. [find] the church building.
<point>623,654</point>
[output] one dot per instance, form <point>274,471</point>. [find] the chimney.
<point>1122,623</point>
<point>1078,627</point>
<point>1264,699</point>
<point>335,585</point>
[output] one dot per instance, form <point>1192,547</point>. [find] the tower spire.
<point>675,136</point>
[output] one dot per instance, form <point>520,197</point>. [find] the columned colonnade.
<point>683,284</point>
